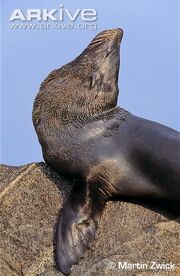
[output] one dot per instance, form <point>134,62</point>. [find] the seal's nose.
<point>119,32</point>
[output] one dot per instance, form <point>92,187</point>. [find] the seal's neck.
<point>95,95</point>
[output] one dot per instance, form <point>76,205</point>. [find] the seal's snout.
<point>110,34</point>
<point>119,34</point>
<point>115,33</point>
<point>111,38</point>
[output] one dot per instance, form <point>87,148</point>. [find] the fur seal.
<point>102,148</point>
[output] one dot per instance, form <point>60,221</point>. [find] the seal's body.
<point>104,149</point>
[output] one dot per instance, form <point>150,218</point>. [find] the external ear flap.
<point>94,79</point>
<point>89,83</point>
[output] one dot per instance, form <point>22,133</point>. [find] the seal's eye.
<point>108,53</point>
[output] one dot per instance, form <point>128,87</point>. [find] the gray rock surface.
<point>30,199</point>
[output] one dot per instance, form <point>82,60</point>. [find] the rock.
<point>30,199</point>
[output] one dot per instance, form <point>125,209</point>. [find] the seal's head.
<point>103,51</point>
<point>89,84</point>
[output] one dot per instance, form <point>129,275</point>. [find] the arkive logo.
<point>61,14</point>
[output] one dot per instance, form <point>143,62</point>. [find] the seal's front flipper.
<point>77,227</point>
